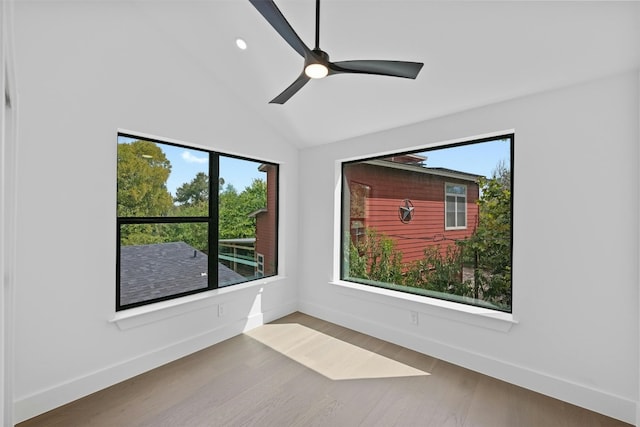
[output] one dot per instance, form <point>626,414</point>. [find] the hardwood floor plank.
<point>302,371</point>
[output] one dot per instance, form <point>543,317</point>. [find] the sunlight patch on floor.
<point>329,356</point>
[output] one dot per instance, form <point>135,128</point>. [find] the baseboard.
<point>46,400</point>
<point>577,394</point>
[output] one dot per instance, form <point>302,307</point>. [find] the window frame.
<point>341,252</point>
<point>211,220</point>
<point>456,195</point>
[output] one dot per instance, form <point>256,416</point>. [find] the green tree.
<point>194,192</point>
<point>489,249</point>
<point>502,174</point>
<point>376,258</point>
<point>142,234</point>
<point>194,234</point>
<point>438,272</point>
<point>254,197</point>
<point>143,170</point>
<point>234,209</point>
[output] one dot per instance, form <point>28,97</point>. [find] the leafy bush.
<point>376,258</point>
<point>438,272</point>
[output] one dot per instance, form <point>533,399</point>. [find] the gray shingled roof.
<point>154,271</point>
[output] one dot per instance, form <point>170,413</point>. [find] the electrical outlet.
<point>414,317</point>
<point>221,310</point>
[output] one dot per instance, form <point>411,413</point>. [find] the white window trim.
<point>456,227</point>
<point>154,312</point>
<point>475,316</point>
<point>469,314</point>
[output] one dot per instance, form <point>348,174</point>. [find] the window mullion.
<point>214,182</point>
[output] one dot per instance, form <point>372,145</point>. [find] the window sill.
<point>151,313</point>
<point>476,316</point>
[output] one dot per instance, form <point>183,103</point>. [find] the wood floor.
<point>302,371</point>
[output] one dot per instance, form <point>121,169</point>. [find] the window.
<point>173,238</point>
<point>359,193</point>
<point>435,222</point>
<point>260,265</point>
<point>455,206</point>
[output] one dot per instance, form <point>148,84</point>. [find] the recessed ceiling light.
<point>241,43</point>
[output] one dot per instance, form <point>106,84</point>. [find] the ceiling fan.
<point>316,61</point>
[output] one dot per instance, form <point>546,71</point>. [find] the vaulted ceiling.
<point>475,53</point>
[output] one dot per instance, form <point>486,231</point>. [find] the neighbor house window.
<point>260,265</point>
<point>190,220</point>
<point>435,222</point>
<point>358,206</point>
<point>455,206</point>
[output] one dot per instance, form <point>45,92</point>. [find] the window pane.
<point>161,260</point>
<point>461,216</point>
<point>451,204</point>
<point>247,219</point>
<point>156,179</point>
<point>432,222</point>
<point>456,189</point>
<point>188,182</point>
<point>451,219</point>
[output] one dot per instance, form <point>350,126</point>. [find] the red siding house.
<point>266,226</point>
<point>415,205</point>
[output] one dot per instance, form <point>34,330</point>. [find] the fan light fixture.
<point>316,71</point>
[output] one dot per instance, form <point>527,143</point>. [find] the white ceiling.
<point>475,53</point>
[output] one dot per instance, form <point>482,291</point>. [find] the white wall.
<point>8,120</point>
<point>3,185</point>
<point>575,269</point>
<point>86,69</point>
<point>638,189</point>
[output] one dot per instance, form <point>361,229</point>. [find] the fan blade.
<point>291,90</point>
<point>272,14</point>
<point>404,69</point>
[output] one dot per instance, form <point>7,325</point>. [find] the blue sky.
<point>479,159</point>
<point>186,163</point>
